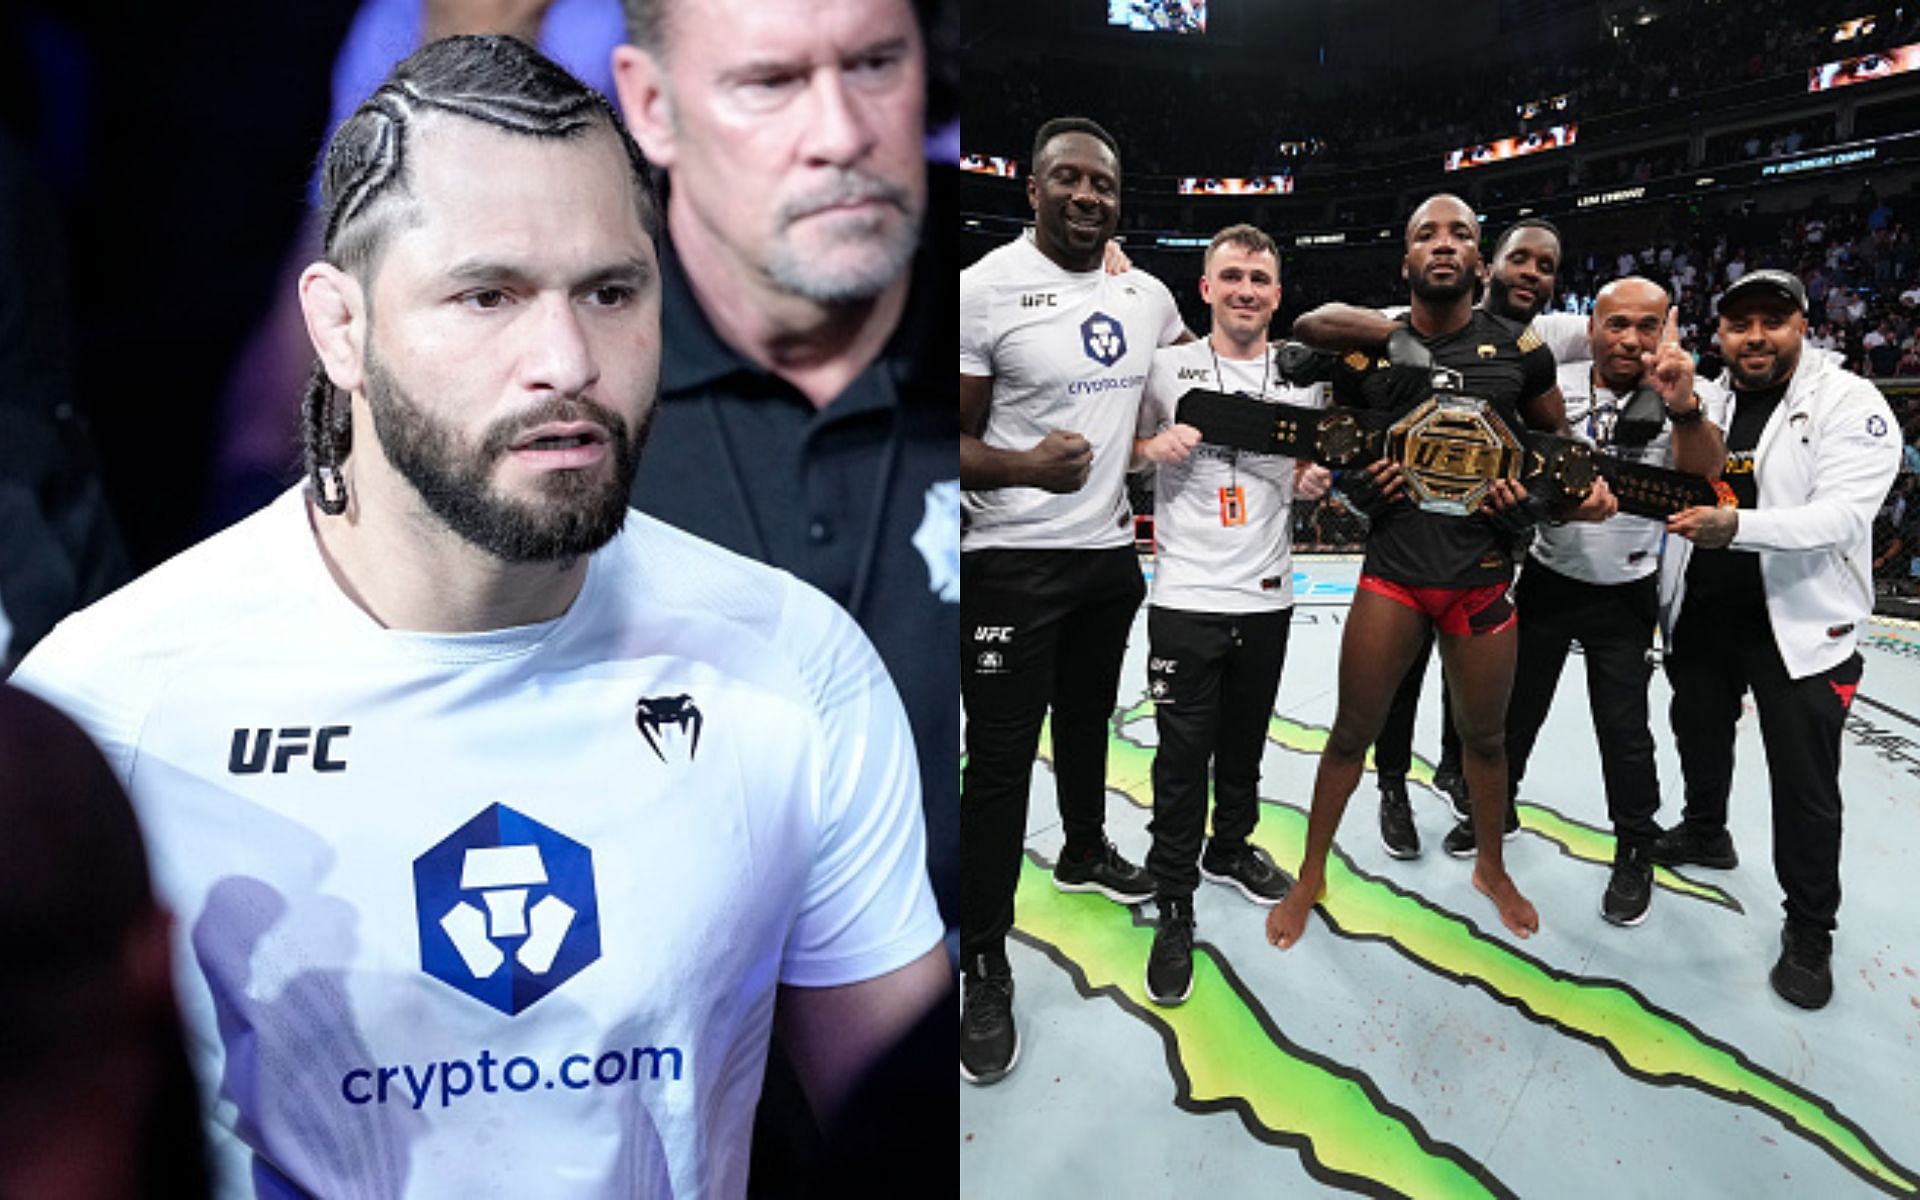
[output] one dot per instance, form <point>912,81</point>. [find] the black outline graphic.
<point>1183,1094</point>
<point>1518,1004</point>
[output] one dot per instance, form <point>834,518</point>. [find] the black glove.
<point>1516,522</point>
<point>1301,365</point>
<point>1410,373</point>
<point>1640,417</point>
<point>1405,349</point>
<point>1362,493</point>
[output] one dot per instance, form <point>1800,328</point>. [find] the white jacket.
<point>1822,467</point>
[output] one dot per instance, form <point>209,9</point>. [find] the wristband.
<point>1690,416</point>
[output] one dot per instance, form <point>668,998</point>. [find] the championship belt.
<point>1658,492</point>
<point>1451,448</point>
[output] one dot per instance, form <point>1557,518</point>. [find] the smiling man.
<point>503,825</point>
<point>1768,597</point>
<point>1054,352</point>
<point>1222,601</point>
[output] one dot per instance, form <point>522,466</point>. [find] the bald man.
<point>1426,570</point>
<point>1599,584</point>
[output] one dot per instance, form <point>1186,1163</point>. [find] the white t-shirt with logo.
<point>1066,350</point>
<point>1222,518</point>
<point>499,914</point>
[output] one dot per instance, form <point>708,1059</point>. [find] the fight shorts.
<point>1468,611</point>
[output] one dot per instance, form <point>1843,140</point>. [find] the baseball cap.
<point>1768,283</point>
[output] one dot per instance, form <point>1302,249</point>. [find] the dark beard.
<point>1500,303</point>
<point>1441,293</point>
<point>1782,368</point>
<point>577,512</point>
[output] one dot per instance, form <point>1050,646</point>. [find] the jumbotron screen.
<point>1554,137</point>
<point>1864,68</point>
<point>990,164</point>
<point>1159,16</point>
<point>1220,185</point>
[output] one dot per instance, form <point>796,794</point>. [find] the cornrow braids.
<point>498,81</point>
<point>326,428</point>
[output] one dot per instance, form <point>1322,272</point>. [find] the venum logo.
<point>253,749</point>
<point>654,715</point>
<point>506,909</point>
<point>1104,338</point>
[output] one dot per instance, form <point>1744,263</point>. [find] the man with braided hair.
<point>504,825</point>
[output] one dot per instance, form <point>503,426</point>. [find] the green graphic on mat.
<point>1575,839</point>
<point>1643,1041</point>
<point>1228,1055</point>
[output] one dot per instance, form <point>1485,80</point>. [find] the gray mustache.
<point>848,188</point>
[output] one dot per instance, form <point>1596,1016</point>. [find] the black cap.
<point>1768,282</point>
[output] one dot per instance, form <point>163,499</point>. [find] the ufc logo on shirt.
<point>1002,634</point>
<point>253,748</point>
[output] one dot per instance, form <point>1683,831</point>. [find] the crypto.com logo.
<point>506,908</point>
<point>1104,339</point>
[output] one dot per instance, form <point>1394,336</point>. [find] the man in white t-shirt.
<point>1598,584</point>
<point>1222,600</point>
<point>502,825</point>
<point>1053,354</point>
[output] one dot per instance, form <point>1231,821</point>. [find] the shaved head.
<point>1441,203</point>
<point>1630,290</point>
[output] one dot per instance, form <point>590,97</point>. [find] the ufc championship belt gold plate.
<point>1453,447</point>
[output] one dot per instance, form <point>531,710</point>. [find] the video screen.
<point>990,164</point>
<point>1864,68</point>
<point>1554,137</point>
<point>1859,27</point>
<point>1552,104</point>
<point>1220,185</point>
<point>1159,16</point>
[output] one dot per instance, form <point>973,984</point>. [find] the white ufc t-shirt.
<point>1066,350</point>
<point>498,914</point>
<point>1222,519</point>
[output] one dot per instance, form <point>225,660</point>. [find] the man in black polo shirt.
<point>1430,570</point>
<point>807,413</point>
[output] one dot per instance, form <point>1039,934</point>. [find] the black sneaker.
<point>1804,974</point>
<point>1459,841</point>
<point>1107,873</point>
<point>1170,962</point>
<point>1252,870</point>
<point>989,1044</point>
<point>1449,782</point>
<point>1630,889</point>
<point>1686,844</point>
<point>1397,833</point>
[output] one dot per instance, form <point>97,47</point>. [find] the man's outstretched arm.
<point>1341,327</point>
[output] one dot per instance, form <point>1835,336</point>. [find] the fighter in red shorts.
<point>1424,568</point>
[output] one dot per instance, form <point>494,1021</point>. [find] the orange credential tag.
<point>1233,505</point>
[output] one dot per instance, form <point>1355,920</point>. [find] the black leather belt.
<point>1451,447</point>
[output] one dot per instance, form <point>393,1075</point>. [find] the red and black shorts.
<point>1468,611</point>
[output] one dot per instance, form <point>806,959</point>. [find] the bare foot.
<point>1516,911</point>
<point>1288,920</point>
